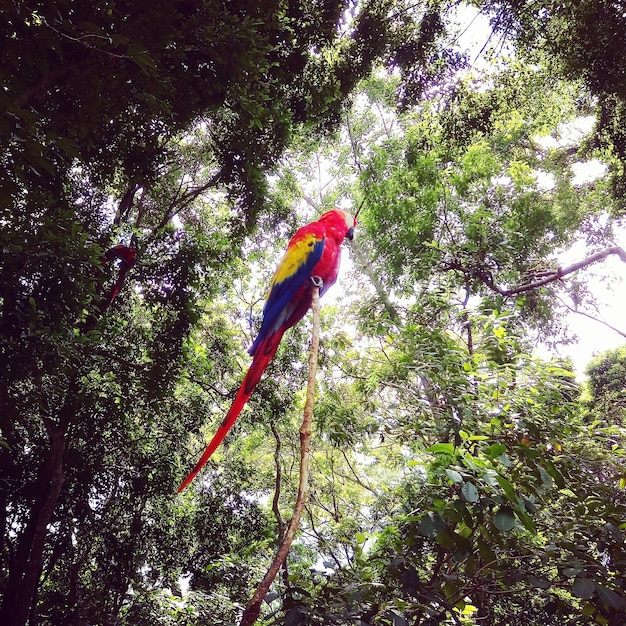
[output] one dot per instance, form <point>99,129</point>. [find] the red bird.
<point>127,258</point>
<point>314,251</point>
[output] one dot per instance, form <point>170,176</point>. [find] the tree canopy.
<point>155,158</point>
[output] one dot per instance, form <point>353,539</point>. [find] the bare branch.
<point>208,387</point>
<point>276,499</point>
<point>593,318</point>
<point>181,201</point>
<point>355,156</point>
<point>314,204</point>
<point>547,277</point>
<point>109,355</point>
<point>40,89</point>
<point>356,476</point>
<point>253,609</point>
<point>126,203</point>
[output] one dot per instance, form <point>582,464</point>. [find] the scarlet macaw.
<point>126,255</point>
<point>314,251</point>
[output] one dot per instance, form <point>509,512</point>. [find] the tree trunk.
<point>26,564</point>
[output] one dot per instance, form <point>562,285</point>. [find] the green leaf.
<point>397,619</point>
<point>442,448</point>
<point>119,40</point>
<point>459,505</point>
<point>568,572</point>
<point>138,53</point>
<point>539,582</point>
<point>555,474</point>
<point>504,459</point>
<point>504,519</point>
<point>546,479</point>
<point>508,489</point>
<point>530,505</point>
<point>91,27</point>
<point>432,525</point>
<point>486,552</point>
<point>495,450</point>
<point>527,521</point>
<point>470,492</point>
<point>470,565</point>
<point>610,597</point>
<point>491,478</point>
<point>583,587</point>
<point>454,476</point>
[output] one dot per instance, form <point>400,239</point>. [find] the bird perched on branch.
<point>126,255</point>
<point>312,258</point>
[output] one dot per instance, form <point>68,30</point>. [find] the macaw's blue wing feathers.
<point>304,251</point>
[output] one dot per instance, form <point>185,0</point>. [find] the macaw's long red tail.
<point>263,355</point>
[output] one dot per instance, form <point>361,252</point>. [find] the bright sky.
<point>606,283</point>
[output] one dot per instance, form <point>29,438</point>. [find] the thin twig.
<point>276,499</point>
<point>356,476</point>
<point>365,266</point>
<point>253,609</point>
<point>593,318</point>
<point>208,387</point>
<point>355,156</point>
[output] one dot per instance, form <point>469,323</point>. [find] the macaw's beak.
<point>350,233</point>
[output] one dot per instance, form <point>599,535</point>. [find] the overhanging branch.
<point>365,267</point>
<point>557,274</point>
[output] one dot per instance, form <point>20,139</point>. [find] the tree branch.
<point>126,203</point>
<point>593,318</point>
<point>355,156</point>
<point>253,609</point>
<point>314,204</point>
<point>40,89</point>
<point>364,266</point>
<point>556,274</point>
<point>208,387</point>
<point>276,499</point>
<point>356,476</point>
<point>181,201</point>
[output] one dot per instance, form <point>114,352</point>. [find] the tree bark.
<point>364,266</point>
<point>25,567</point>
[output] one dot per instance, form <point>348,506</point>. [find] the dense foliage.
<point>578,39</point>
<point>457,477</point>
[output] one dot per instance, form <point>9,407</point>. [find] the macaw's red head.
<point>340,222</point>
